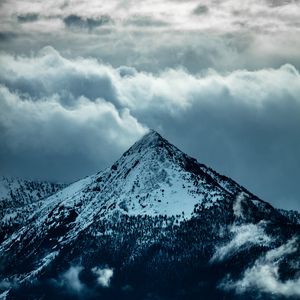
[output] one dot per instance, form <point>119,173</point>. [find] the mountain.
<point>155,225</point>
<point>292,215</point>
<point>18,199</point>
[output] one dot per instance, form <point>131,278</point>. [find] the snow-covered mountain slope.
<point>19,199</point>
<point>155,209</point>
<point>152,178</point>
<point>16,192</point>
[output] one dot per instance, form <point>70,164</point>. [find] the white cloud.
<point>263,276</point>
<point>71,279</point>
<point>248,117</point>
<point>252,34</point>
<point>104,276</point>
<point>47,116</point>
<point>243,235</point>
<point>223,15</point>
<point>237,205</point>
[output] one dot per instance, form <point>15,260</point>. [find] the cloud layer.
<point>65,118</point>
<point>222,35</point>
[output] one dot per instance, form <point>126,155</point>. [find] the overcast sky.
<point>80,81</point>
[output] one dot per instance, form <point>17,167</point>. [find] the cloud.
<point>71,279</point>
<point>264,275</point>
<point>201,9</point>
<point>237,205</point>
<point>243,236</point>
<point>6,36</point>
<point>30,17</point>
<point>45,136</point>
<point>57,110</point>
<point>103,276</point>
<point>218,34</point>
<point>50,73</point>
<point>276,3</point>
<point>75,21</point>
<point>145,21</point>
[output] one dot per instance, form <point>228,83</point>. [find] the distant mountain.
<point>155,225</point>
<point>18,199</point>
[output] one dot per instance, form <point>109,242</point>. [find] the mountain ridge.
<point>153,210</point>
<point>19,198</point>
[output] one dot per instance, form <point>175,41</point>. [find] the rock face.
<point>156,225</point>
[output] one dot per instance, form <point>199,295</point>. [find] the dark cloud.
<point>55,121</point>
<point>7,35</point>
<point>30,17</point>
<point>201,9</point>
<point>276,3</point>
<point>74,117</point>
<point>75,21</point>
<point>61,78</point>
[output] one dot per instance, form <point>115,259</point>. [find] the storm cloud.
<point>64,118</point>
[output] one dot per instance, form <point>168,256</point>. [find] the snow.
<point>4,295</point>
<point>43,264</point>
<point>152,178</point>
<point>8,217</point>
<point>149,179</point>
<point>166,195</point>
<point>25,191</point>
<point>4,189</point>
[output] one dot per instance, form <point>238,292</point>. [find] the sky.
<point>80,81</point>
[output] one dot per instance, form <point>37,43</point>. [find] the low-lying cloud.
<point>264,275</point>
<point>243,236</point>
<point>71,279</point>
<point>66,118</point>
<point>104,276</point>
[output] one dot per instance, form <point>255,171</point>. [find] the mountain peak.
<point>152,137</point>
<point>150,141</point>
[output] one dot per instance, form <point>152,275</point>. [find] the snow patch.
<point>4,295</point>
